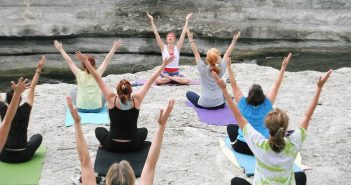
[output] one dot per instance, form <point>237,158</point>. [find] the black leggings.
<point>194,98</point>
<point>300,178</point>
<point>104,137</point>
<point>238,146</point>
<point>24,155</point>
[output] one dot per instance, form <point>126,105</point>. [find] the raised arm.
<point>182,35</point>
<point>148,173</point>
<point>232,45</point>
<point>235,88</point>
<point>274,91</point>
<point>309,112</point>
<point>236,112</point>
<point>12,109</point>
<point>40,65</point>
<point>88,175</point>
<point>104,64</point>
<point>141,93</point>
<point>72,66</point>
<point>104,88</point>
<point>193,46</point>
<point>157,36</point>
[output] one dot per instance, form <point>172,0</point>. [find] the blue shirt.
<point>255,115</point>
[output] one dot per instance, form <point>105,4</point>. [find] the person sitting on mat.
<point>17,149</point>
<point>211,96</point>
<point>7,119</point>
<point>276,155</point>
<point>122,172</point>
<point>123,108</point>
<point>171,73</point>
<point>254,107</point>
<point>88,97</point>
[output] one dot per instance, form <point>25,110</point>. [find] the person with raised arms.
<point>254,107</point>
<point>211,96</point>
<point>171,73</point>
<point>87,97</point>
<point>122,172</point>
<point>17,148</point>
<point>11,109</point>
<point>123,108</point>
<point>275,156</point>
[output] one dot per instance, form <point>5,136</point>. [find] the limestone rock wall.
<point>28,27</point>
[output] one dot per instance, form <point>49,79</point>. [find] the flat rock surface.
<point>191,153</point>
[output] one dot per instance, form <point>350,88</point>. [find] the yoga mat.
<point>219,117</point>
<point>27,173</point>
<point>105,159</point>
<point>99,118</point>
<point>247,163</point>
<point>141,82</point>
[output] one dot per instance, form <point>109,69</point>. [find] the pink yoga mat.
<point>219,117</point>
<point>143,81</point>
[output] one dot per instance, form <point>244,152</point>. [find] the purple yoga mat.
<point>143,81</point>
<point>219,117</point>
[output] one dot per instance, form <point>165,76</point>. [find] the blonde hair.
<point>120,174</point>
<point>212,59</point>
<point>277,122</point>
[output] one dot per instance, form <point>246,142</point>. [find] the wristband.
<point>191,41</point>
<point>37,71</point>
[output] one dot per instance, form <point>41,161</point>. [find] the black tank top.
<point>123,122</point>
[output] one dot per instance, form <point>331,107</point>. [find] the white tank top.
<point>165,54</point>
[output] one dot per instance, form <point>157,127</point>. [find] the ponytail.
<point>124,90</point>
<point>277,122</point>
<point>277,142</point>
<point>215,68</point>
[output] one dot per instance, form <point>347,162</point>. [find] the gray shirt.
<point>211,94</point>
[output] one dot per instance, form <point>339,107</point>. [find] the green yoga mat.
<point>27,173</point>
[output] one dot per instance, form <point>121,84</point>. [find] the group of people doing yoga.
<point>261,130</point>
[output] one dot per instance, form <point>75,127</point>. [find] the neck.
<point>170,45</point>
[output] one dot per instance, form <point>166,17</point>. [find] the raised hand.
<point>117,44</point>
<point>81,57</point>
<point>218,80</point>
<point>188,17</point>
<point>73,110</point>
<point>236,36</point>
<point>286,60</point>
<point>150,17</point>
<point>164,115</point>
<point>168,60</point>
<point>58,45</point>
<point>323,79</point>
<point>41,63</point>
<point>20,86</point>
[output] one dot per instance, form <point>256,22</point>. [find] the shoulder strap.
<point>114,104</point>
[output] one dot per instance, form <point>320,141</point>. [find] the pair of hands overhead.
<point>162,119</point>
<point>58,45</point>
<point>320,83</point>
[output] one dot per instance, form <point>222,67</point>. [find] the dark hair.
<point>91,59</point>
<point>277,122</point>
<point>9,95</point>
<point>124,90</point>
<point>256,96</point>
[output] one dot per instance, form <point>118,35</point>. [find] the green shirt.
<point>272,167</point>
<point>88,94</point>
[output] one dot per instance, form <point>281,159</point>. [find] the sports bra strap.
<point>114,104</point>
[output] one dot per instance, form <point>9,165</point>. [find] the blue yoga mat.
<point>246,163</point>
<point>99,118</point>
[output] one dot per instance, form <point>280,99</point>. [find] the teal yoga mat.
<point>27,173</point>
<point>246,163</point>
<point>100,118</point>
